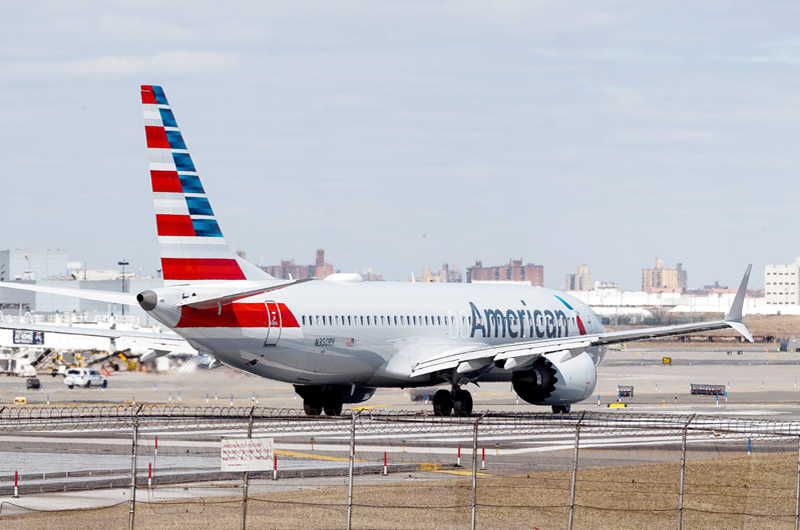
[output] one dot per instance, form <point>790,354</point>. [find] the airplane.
<point>339,339</point>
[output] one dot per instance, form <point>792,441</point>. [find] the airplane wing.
<point>520,353</point>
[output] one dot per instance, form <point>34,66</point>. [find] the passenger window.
<point>304,320</point>
<point>362,321</point>
<point>395,321</point>
<point>324,322</point>
<point>383,320</point>
<point>439,319</point>
<point>318,320</point>
<point>402,320</point>
<point>426,321</point>
<point>415,320</point>
<point>368,323</point>
<point>337,320</point>
<point>348,322</point>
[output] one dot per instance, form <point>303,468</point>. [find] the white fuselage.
<point>344,331</point>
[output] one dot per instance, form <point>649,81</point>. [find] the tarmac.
<point>760,385</point>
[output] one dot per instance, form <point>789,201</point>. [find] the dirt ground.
<point>721,493</point>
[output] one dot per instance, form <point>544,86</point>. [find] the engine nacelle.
<point>552,381</point>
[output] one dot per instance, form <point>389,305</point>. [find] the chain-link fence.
<point>165,467</point>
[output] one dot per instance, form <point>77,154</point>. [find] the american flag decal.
<point>350,342</point>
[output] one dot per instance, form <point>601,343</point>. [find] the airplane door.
<point>273,324</point>
<point>453,322</point>
<point>462,321</point>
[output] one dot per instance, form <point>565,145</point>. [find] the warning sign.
<point>247,454</point>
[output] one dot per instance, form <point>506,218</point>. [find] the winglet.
<point>734,316</point>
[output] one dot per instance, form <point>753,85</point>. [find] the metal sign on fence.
<point>22,336</point>
<point>246,454</point>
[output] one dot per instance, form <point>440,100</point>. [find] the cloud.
<point>176,63</point>
<point>606,55</point>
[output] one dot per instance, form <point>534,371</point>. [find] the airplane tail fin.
<point>193,248</point>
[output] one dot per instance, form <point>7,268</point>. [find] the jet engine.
<point>556,379</point>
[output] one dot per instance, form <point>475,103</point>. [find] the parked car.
<point>33,383</point>
<point>85,377</point>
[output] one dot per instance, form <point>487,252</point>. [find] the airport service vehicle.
<point>85,377</point>
<point>339,339</point>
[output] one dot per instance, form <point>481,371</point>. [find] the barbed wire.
<point>174,417</point>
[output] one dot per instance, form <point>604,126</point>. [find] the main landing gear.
<point>561,409</point>
<point>317,401</point>
<point>446,402</point>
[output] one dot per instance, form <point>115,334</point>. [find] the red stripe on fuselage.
<point>244,315</point>
<point>165,182</point>
<point>201,269</point>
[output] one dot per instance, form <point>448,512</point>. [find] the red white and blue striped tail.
<point>193,248</point>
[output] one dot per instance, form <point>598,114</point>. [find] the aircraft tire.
<point>462,404</point>
<point>561,409</point>
<point>332,403</point>
<point>442,403</point>
<point>312,407</point>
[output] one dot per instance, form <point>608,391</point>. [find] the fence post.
<point>134,443</point>
<point>797,493</point>
<point>475,472</point>
<point>683,471</point>
<point>353,415</point>
<point>574,470</point>
<point>246,475</point>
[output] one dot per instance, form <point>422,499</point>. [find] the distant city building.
<point>320,269</point>
<point>582,281</point>
<point>515,271</point>
<point>448,274</point>
<point>370,276</point>
<point>605,285</point>
<point>718,289</point>
<point>780,284</point>
<point>31,265</point>
<point>660,279</point>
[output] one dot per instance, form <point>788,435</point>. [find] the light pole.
<point>122,264</point>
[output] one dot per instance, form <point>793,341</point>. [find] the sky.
<point>562,133</point>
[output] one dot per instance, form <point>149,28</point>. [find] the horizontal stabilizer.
<point>87,294</point>
<point>218,298</point>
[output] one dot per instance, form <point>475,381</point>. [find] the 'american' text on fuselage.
<point>519,323</point>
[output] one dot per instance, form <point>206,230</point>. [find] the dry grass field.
<point>748,491</point>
